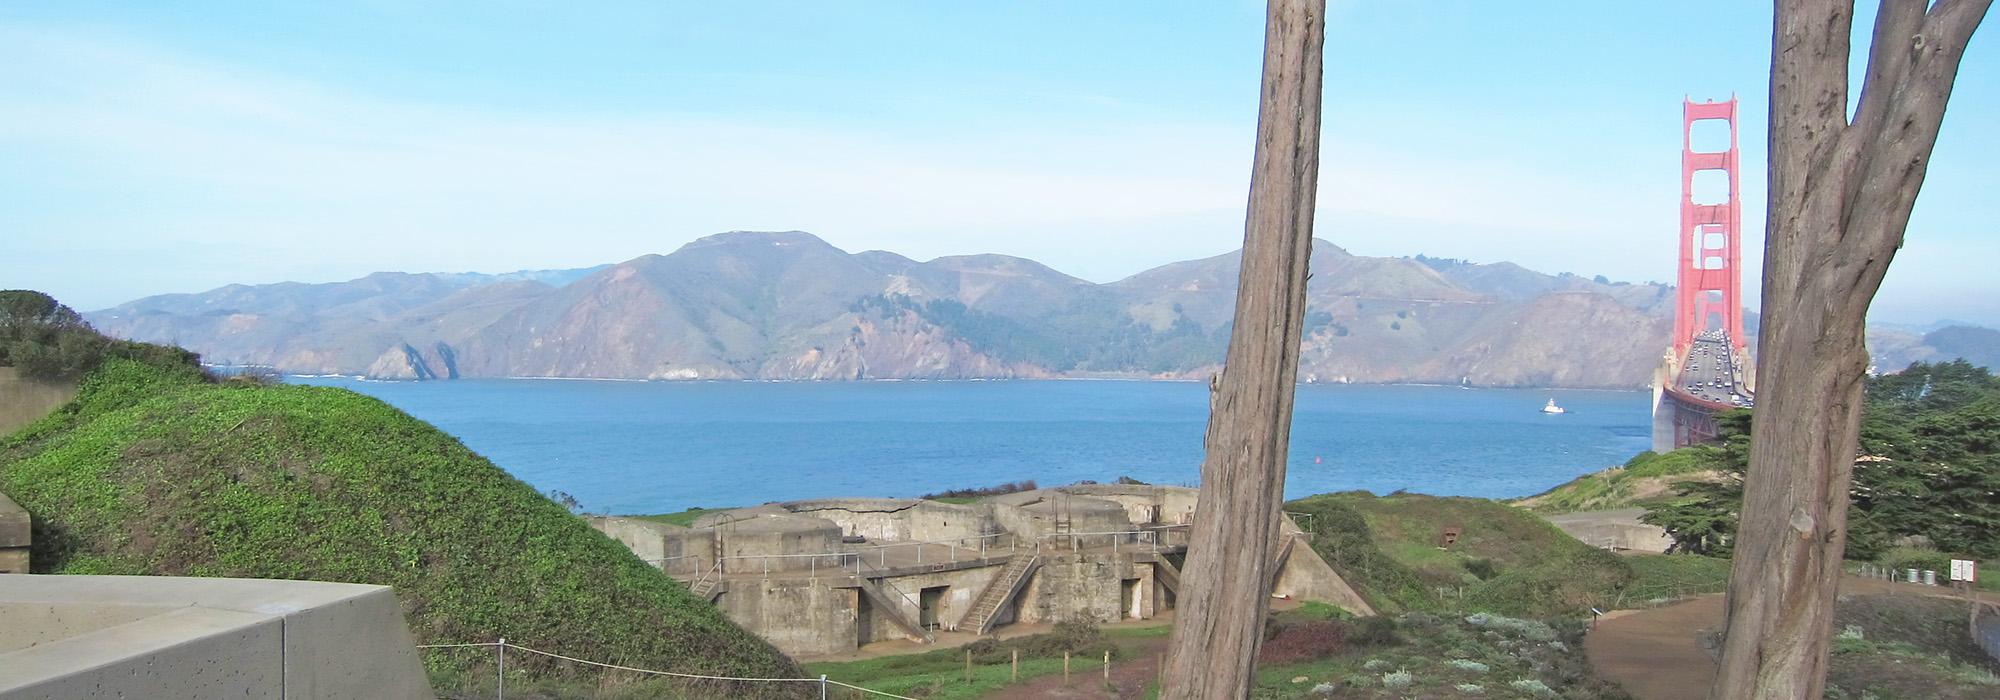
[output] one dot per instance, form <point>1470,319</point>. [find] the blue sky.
<point>173,147</point>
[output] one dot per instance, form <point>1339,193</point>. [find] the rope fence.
<point>503,645</point>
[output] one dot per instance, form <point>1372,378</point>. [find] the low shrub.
<point>1377,631</point>
<point>1304,642</point>
<point>983,491</point>
<point>1468,665</point>
<point>1398,679</point>
<point>1481,567</point>
<point>1533,687</point>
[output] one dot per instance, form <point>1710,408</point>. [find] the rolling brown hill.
<point>787,305</point>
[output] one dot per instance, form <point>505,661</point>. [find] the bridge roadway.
<point>1709,374</point>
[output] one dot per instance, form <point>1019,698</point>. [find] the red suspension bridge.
<point>1707,369</point>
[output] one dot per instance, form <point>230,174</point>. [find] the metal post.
<point>501,679</point>
<point>822,686</point>
<point>1107,667</point>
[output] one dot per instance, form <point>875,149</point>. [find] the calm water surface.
<point>648,447</point>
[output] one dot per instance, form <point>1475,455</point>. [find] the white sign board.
<point>1964,570</point>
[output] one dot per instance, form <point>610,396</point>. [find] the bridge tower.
<point>1709,282</point>
<point>1691,387</point>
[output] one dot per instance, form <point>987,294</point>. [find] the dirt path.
<point>1656,654</point>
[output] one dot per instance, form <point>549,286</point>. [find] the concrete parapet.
<point>674,549</point>
<point>24,401</point>
<point>172,637</point>
<point>900,519</point>
<point>17,531</point>
<point>779,542</point>
<point>1614,529</point>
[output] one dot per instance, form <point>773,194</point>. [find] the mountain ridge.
<point>789,305</point>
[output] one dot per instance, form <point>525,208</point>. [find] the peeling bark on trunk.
<point>1840,193</point>
<point>1225,585</point>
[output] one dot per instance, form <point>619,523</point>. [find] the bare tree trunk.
<point>1226,590</point>
<point>1840,198</point>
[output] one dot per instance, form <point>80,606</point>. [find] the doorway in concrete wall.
<point>1128,598</point>
<point>864,620</point>
<point>930,606</point>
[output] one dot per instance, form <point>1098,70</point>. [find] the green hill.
<point>1505,560</point>
<point>1647,478</point>
<point>155,469</point>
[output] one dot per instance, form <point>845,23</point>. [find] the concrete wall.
<point>901,519</point>
<point>676,550</point>
<point>963,589</point>
<point>16,534</point>
<point>1077,588</point>
<point>1144,504</point>
<point>1304,575</point>
<point>1618,529</point>
<point>1033,514</point>
<point>773,543</point>
<point>816,617</point>
<point>799,617</point>
<point>24,401</point>
<point>169,637</point>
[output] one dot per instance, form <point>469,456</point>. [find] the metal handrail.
<point>1148,536</point>
<point>812,564</point>
<point>715,570</point>
<point>951,547</point>
<point>661,563</point>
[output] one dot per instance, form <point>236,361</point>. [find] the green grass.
<point>1671,576</point>
<point>1902,646</point>
<point>1921,558</point>
<point>941,674</point>
<point>153,471</point>
<point>1505,560</point>
<point>1641,480</point>
<point>1154,631</point>
<point>684,518</point>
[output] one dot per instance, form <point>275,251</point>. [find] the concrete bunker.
<point>827,576</point>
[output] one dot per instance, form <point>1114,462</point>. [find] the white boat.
<point>1553,408</point>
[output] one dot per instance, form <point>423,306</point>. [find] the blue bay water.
<point>649,447</point>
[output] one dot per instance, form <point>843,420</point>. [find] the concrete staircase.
<point>884,605</point>
<point>708,585</point>
<point>1004,587</point>
<point>705,588</point>
<point>1278,562</point>
<point>1165,573</point>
